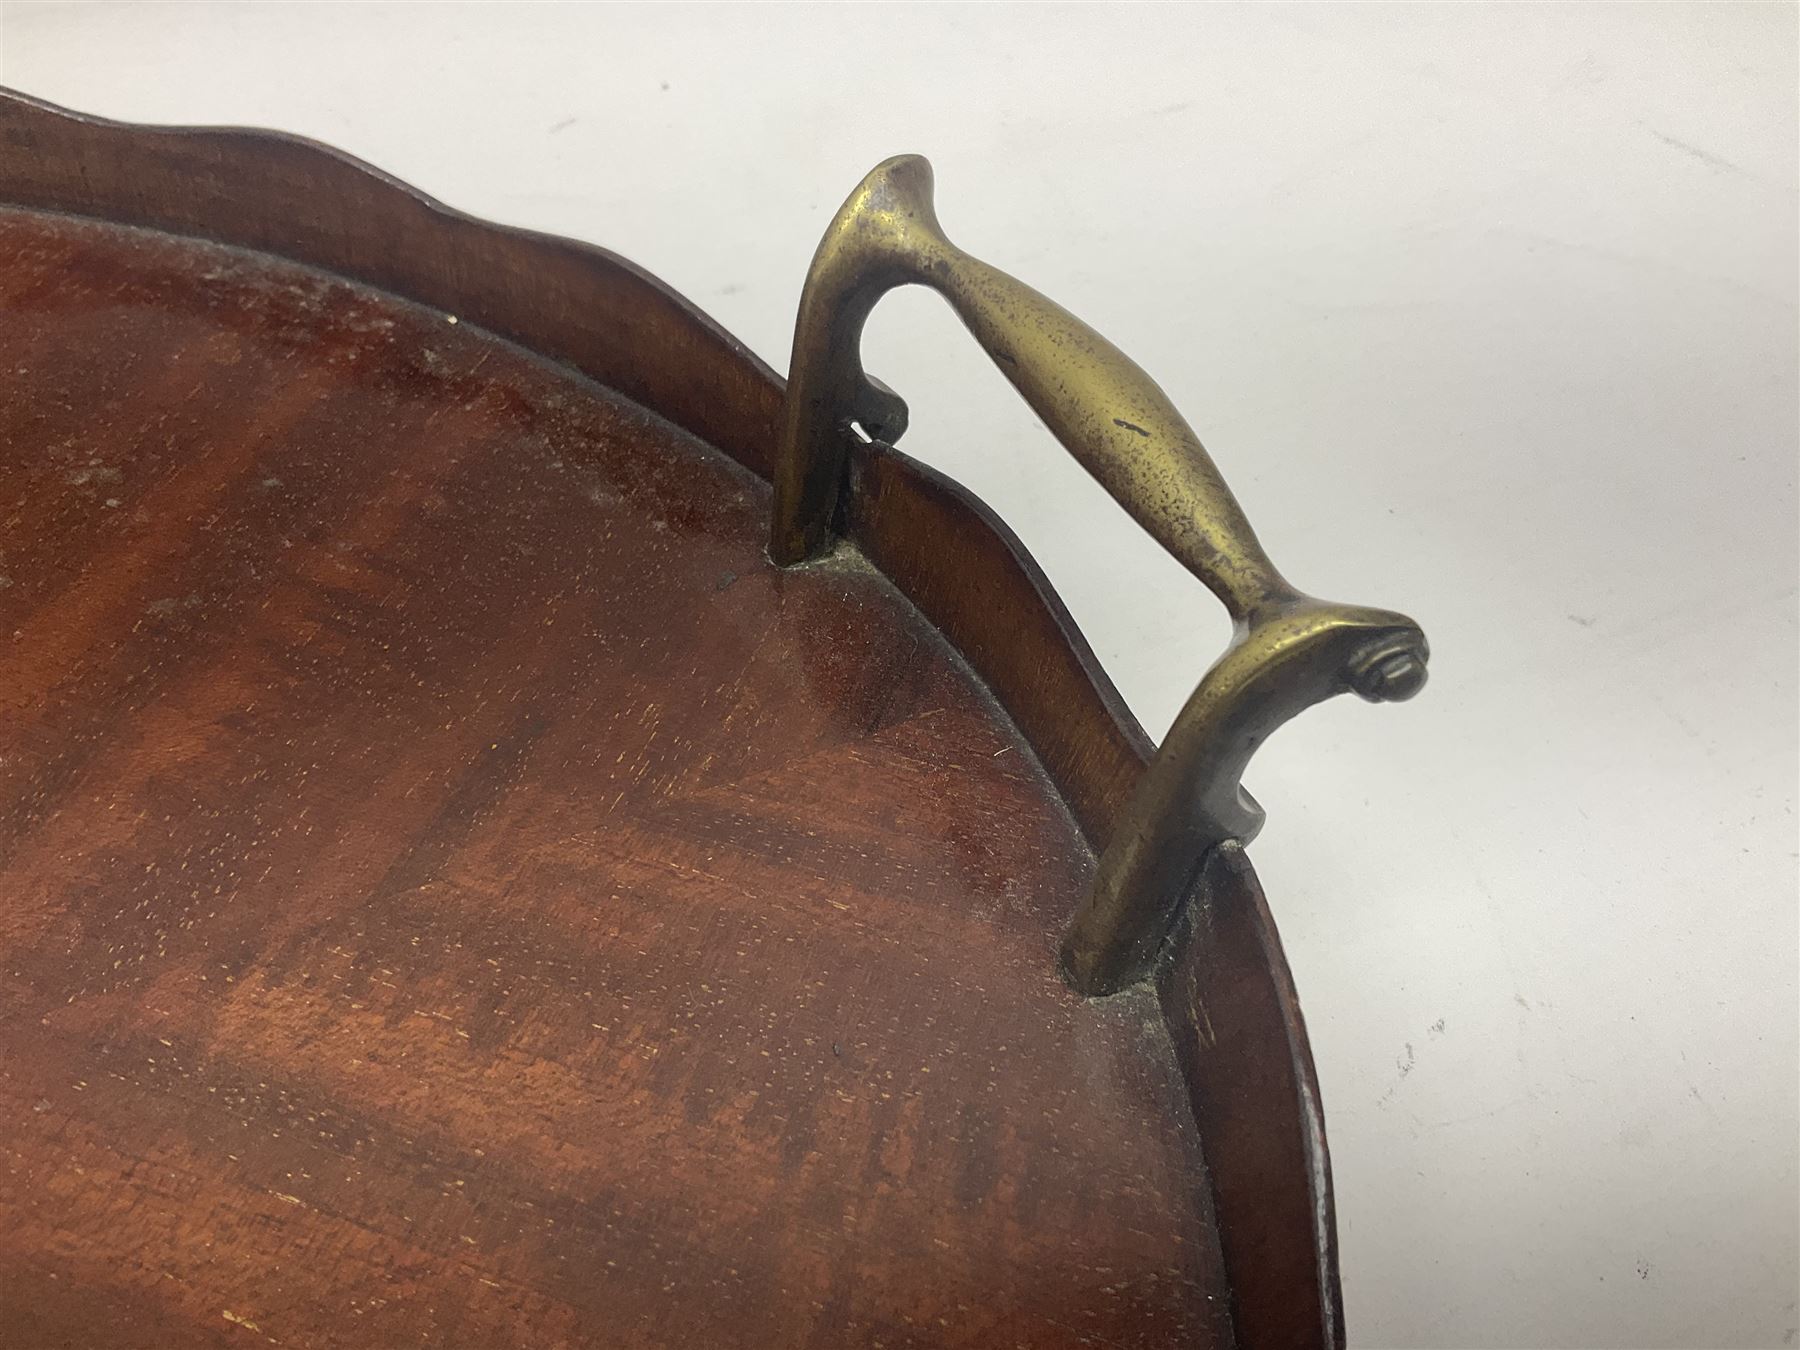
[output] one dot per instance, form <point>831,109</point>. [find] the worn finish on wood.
<point>1230,1004</point>
<point>301,200</point>
<point>593,312</point>
<point>599,314</point>
<point>456,889</point>
<point>901,514</point>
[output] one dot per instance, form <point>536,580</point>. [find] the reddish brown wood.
<point>606,318</point>
<point>965,569</point>
<point>457,890</point>
<point>1230,1004</point>
<point>298,199</point>
<point>462,799</point>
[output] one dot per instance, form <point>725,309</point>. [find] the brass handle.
<point>1288,651</point>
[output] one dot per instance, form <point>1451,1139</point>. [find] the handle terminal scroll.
<point>1288,651</point>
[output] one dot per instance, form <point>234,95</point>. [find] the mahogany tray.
<point>456,889</point>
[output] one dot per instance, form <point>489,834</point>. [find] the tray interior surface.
<point>454,889</point>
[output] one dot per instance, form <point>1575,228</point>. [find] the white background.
<point>1489,314</point>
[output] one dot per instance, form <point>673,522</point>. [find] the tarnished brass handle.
<point>1288,651</point>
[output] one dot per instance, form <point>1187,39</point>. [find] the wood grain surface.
<point>598,314</point>
<point>454,891</point>
<point>961,586</point>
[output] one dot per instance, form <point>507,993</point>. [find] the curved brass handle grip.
<point>1288,651</point>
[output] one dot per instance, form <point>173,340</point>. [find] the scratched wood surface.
<point>454,891</point>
